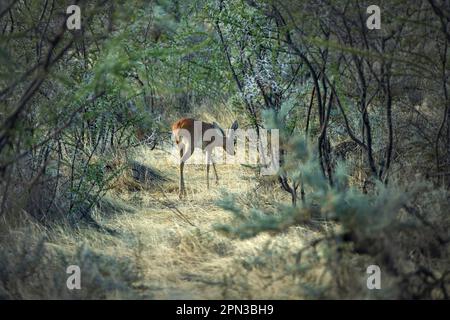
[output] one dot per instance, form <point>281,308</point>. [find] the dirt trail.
<point>177,260</point>
<point>152,252</point>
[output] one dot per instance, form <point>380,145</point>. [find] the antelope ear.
<point>235,125</point>
<point>215,125</point>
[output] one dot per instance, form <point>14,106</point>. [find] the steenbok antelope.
<point>207,137</point>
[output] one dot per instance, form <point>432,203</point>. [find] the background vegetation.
<point>86,176</point>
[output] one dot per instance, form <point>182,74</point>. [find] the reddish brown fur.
<point>188,124</point>
<point>183,123</point>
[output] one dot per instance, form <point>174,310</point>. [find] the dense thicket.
<point>364,115</point>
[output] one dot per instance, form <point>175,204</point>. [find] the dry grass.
<point>155,246</point>
<point>148,251</point>
<point>181,261</point>
<point>154,253</point>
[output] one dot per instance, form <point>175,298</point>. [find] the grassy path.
<point>176,260</point>
<point>153,253</point>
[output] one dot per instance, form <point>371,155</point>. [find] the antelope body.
<point>209,137</point>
